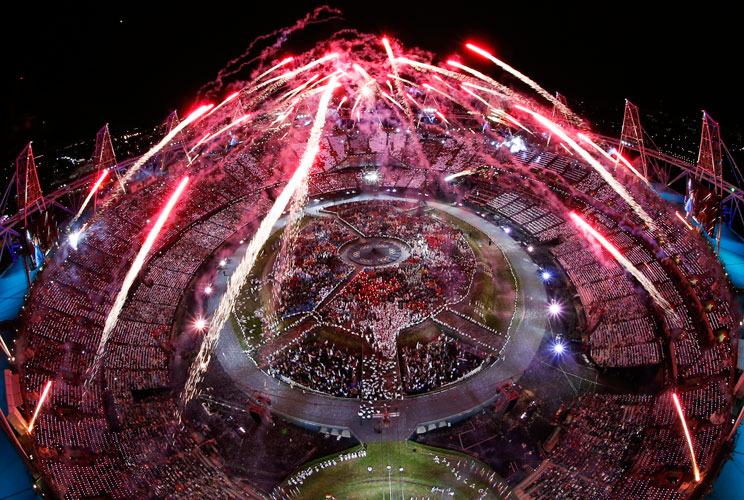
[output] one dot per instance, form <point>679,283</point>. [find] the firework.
<point>198,113</point>
<point>235,283</point>
<point>227,99</point>
<point>200,142</point>
<point>139,261</point>
<point>43,397</point>
<point>5,348</point>
<point>93,190</point>
<point>524,78</point>
<point>224,129</point>
<point>684,221</point>
<point>611,181</point>
<point>390,98</point>
<point>642,279</point>
<point>396,77</point>
<point>630,167</point>
<point>496,85</point>
<point>595,146</point>
<point>281,63</point>
<point>459,174</point>
<point>681,414</point>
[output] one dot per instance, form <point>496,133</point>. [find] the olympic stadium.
<point>368,272</point>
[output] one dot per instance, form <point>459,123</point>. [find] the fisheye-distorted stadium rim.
<point>452,402</point>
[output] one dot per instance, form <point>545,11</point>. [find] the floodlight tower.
<point>28,192</point>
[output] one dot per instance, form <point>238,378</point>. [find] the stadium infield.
<point>427,473</point>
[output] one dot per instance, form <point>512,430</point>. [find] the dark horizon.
<point>72,69</point>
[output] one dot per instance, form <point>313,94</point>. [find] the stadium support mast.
<point>28,189</point>
<point>28,192</point>
<point>631,136</point>
<point>710,156</point>
<point>103,156</point>
<point>710,161</point>
<point>178,141</point>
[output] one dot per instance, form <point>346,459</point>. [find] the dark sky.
<point>70,69</point>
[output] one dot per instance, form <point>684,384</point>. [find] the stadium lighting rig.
<point>558,348</point>
<point>555,308</point>
<point>200,324</point>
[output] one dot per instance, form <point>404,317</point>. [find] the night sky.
<point>69,70</point>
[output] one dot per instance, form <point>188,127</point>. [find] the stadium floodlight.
<point>200,324</point>
<point>371,176</point>
<point>74,239</point>
<point>555,308</point>
<point>545,275</point>
<point>559,348</point>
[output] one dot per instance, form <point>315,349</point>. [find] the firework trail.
<point>496,85</point>
<point>233,124</point>
<point>608,178</point>
<point>275,67</point>
<point>235,282</point>
<point>409,82</point>
<point>227,99</point>
<point>43,397</point>
<point>630,167</point>
<point>5,348</point>
<point>93,190</point>
<point>198,113</point>
<point>398,89</point>
<point>642,279</point>
<point>524,78</point>
<point>429,87</point>
<point>137,264</point>
<point>681,414</point>
<point>282,34</point>
<point>684,221</point>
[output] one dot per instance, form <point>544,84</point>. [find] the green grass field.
<point>493,296</point>
<point>353,480</point>
<point>248,304</point>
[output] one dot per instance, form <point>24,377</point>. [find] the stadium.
<point>369,272</point>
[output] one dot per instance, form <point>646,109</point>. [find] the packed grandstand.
<point>431,249</point>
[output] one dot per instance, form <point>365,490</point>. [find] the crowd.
<point>311,269</point>
<point>319,366</point>
<point>378,302</point>
<point>437,363</point>
<point>67,310</point>
<point>64,316</point>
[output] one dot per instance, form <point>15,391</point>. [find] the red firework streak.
<point>681,414</point>
<point>43,397</point>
